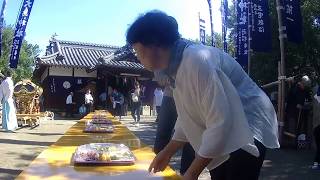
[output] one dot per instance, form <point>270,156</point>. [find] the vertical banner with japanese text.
<point>224,15</point>
<point>260,26</point>
<point>3,8</point>
<point>242,41</point>
<point>293,20</point>
<point>20,32</point>
<point>202,30</point>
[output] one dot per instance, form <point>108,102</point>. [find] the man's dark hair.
<point>154,28</point>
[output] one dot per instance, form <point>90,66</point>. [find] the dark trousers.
<point>136,110</point>
<point>167,120</point>
<point>316,134</point>
<point>118,110</point>
<point>89,108</point>
<point>158,112</point>
<point>241,165</point>
<point>69,110</point>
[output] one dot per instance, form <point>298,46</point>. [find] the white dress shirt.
<point>158,95</point>
<point>88,99</point>
<point>220,109</point>
<point>69,99</point>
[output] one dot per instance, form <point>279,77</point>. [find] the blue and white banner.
<point>202,30</point>
<point>4,4</point>
<point>242,41</point>
<point>224,15</point>
<point>293,20</point>
<point>20,32</point>
<point>260,26</point>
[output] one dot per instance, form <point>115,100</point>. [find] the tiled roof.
<point>122,58</point>
<point>74,54</point>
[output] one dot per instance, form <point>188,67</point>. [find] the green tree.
<point>28,53</point>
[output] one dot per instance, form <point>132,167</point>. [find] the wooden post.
<point>282,74</point>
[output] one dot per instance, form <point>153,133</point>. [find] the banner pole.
<point>281,76</point>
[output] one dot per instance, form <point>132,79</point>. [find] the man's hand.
<point>161,161</point>
<point>197,166</point>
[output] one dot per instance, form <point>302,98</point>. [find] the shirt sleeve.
<point>178,134</point>
<point>220,108</point>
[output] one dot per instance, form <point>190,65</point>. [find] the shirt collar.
<point>175,59</point>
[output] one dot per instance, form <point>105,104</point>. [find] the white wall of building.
<point>80,72</point>
<point>60,71</point>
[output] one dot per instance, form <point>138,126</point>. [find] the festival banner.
<point>242,41</point>
<point>4,4</point>
<point>20,32</point>
<point>293,20</point>
<point>260,26</point>
<point>202,31</point>
<point>224,15</point>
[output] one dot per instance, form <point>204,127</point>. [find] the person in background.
<point>82,110</point>
<point>167,120</point>
<point>157,100</point>
<point>9,117</point>
<point>88,101</point>
<point>117,101</point>
<point>103,99</point>
<point>109,101</point>
<point>69,105</point>
<point>136,103</point>
<point>316,130</point>
<point>297,108</point>
<point>222,113</point>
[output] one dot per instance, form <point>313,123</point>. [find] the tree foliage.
<point>28,53</point>
<point>301,58</point>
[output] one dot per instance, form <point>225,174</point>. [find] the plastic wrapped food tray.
<point>103,154</point>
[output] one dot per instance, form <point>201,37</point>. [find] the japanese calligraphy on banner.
<point>20,32</point>
<point>260,26</point>
<point>293,20</point>
<point>224,13</point>
<point>242,41</point>
<point>202,31</point>
<point>4,4</point>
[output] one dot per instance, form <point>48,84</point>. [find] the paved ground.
<point>20,148</point>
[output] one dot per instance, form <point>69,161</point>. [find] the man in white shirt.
<point>226,117</point>
<point>157,100</point>
<point>88,101</point>
<point>69,105</point>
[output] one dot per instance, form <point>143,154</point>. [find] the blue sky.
<point>106,21</point>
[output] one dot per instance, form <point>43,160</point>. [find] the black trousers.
<point>241,165</point>
<point>136,110</point>
<point>167,120</point>
<point>158,112</point>
<point>69,110</point>
<point>316,134</point>
<point>89,107</point>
